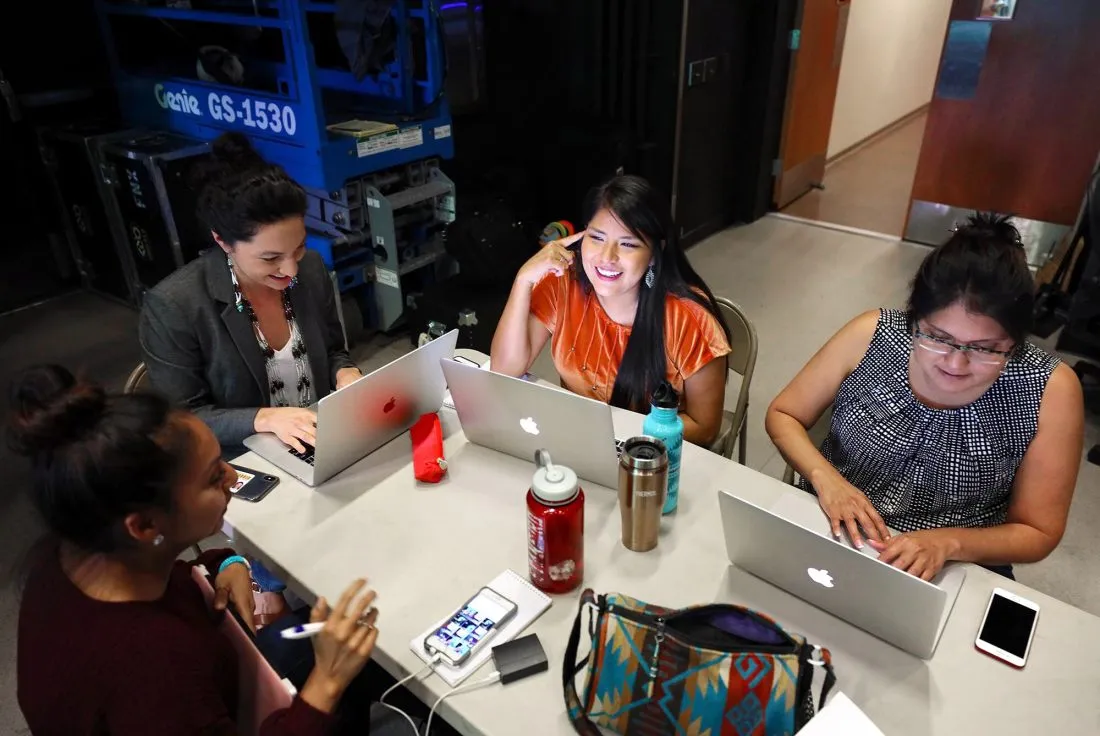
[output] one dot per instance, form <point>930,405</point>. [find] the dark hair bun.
<point>993,226</point>
<point>235,150</point>
<point>50,409</point>
<point>239,192</point>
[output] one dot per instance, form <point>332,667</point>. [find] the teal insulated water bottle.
<point>664,423</point>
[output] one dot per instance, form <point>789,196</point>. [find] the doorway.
<point>853,162</point>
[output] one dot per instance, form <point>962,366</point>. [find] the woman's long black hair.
<point>645,213</point>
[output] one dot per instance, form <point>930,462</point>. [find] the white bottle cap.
<point>553,484</point>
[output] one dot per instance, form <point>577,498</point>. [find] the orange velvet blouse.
<point>587,346</point>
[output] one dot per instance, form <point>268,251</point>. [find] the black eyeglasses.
<point>940,346</point>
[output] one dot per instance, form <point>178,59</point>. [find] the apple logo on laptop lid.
<point>821,577</point>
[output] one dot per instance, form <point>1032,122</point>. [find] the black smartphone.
<point>252,485</point>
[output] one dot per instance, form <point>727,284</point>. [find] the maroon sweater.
<point>162,667</point>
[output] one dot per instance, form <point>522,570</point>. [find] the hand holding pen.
<point>343,640</point>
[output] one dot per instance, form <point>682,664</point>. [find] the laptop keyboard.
<point>619,446</point>
<point>306,457</point>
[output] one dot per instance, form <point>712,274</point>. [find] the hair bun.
<point>51,408</point>
<point>992,225</point>
<point>235,150</point>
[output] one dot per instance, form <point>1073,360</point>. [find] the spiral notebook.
<point>530,604</point>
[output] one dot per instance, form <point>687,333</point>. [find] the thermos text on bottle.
<point>664,423</point>
<point>555,527</point>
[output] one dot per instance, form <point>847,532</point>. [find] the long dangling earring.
<point>649,277</point>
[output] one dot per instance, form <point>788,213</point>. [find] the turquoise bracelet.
<point>234,559</point>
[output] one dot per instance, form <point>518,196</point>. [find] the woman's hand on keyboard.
<point>295,427</point>
<point>920,553</point>
<point>847,506</point>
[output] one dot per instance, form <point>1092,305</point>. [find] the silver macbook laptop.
<point>517,417</point>
<point>358,419</point>
<point>800,556</point>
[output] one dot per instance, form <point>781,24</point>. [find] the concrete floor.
<point>798,283</point>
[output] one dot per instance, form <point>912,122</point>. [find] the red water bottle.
<point>555,527</point>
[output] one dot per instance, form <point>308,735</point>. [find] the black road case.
<point>153,203</point>
<point>70,155</point>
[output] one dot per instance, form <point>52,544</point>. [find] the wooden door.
<point>817,47</point>
<point>1022,136</point>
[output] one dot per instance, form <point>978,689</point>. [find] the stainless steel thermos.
<point>643,487</point>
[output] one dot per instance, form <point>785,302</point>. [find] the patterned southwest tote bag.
<point>713,670</point>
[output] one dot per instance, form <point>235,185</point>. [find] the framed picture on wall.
<point>997,10</point>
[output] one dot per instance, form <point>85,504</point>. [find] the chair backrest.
<point>137,377</point>
<point>261,691</point>
<point>743,347</point>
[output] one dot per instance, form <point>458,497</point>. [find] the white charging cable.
<point>495,677</point>
<point>399,683</point>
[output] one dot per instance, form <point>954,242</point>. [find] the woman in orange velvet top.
<point>629,313</point>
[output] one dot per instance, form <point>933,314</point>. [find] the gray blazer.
<point>202,353</point>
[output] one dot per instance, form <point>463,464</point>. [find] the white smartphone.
<point>1008,627</point>
<point>468,628</point>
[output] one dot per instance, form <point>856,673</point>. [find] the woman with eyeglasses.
<point>948,426</point>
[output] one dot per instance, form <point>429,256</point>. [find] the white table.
<point>426,548</point>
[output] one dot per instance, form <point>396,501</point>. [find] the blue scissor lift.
<point>378,201</point>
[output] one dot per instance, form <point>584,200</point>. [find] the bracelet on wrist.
<point>233,560</point>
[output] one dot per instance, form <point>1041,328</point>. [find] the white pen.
<point>303,631</point>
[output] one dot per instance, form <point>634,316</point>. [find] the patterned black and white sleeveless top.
<point>926,468</point>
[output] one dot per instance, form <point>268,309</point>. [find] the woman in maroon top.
<point>114,635</point>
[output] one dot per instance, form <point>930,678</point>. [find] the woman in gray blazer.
<point>247,336</point>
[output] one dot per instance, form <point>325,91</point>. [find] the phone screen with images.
<point>242,480</point>
<point>1008,625</point>
<point>469,626</point>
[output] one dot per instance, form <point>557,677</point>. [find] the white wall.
<point>891,56</point>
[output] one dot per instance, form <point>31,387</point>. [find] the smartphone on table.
<point>252,485</point>
<point>470,627</point>
<point>1008,627</point>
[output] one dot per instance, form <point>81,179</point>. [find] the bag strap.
<point>571,667</point>
<point>821,657</point>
